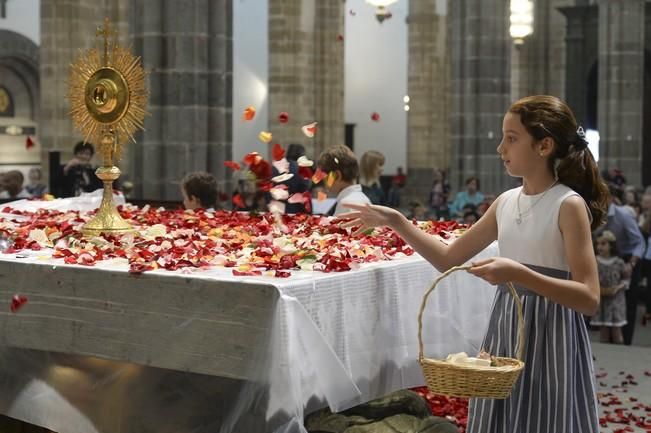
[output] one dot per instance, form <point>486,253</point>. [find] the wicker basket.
<point>458,380</point>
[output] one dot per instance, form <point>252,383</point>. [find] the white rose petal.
<point>302,161</point>
<point>282,178</point>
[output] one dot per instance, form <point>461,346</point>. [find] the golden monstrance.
<point>108,98</point>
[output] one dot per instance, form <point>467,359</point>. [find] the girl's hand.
<point>497,270</point>
<point>368,216</point>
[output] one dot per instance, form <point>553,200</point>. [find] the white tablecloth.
<point>337,339</point>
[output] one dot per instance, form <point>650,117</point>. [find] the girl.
<point>543,230</point>
<point>370,170</point>
<point>612,274</point>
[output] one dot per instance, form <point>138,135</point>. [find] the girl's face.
<point>517,151</point>
<point>603,247</point>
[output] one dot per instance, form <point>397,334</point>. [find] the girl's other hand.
<point>496,270</point>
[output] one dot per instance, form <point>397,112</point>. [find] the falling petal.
<point>340,38</point>
<point>29,143</point>
<point>232,164</point>
<point>319,175</point>
<point>283,117</point>
<point>375,117</point>
<point>296,198</point>
<point>265,136</point>
<point>276,207</point>
<point>309,130</point>
<point>282,166</point>
<point>305,172</point>
<point>249,113</point>
<point>17,301</point>
<point>238,202</point>
<point>252,158</point>
<point>277,152</point>
<point>279,193</point>
<point>332,176</point>
<point>302,161</point>
<point>282,178</point>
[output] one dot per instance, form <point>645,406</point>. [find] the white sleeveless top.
<point>537,240</point>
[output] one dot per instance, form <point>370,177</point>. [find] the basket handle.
<point>465,268</point>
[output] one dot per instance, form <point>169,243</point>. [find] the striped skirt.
<point>556,390</point>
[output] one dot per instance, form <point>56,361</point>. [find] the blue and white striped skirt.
<point>556,391</point>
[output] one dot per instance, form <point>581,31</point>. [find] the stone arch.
<point>19,56</point>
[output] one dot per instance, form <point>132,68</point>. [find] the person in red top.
<point>398,182</point>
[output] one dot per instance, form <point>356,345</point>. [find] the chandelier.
<point>521,20</point>
<point>381,11</point>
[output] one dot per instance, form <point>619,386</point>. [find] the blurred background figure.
<point>13,186</point>
<point>36,187</point>
<point>370,169</point>
<point>78,175</point>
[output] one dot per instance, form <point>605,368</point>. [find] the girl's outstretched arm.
<point>441,256</point>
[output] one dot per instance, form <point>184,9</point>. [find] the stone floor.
<point>624,381</point>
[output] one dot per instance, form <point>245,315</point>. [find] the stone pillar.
<point>581,57</point>
<point>428,85</point>
<point>67,26</point>
<point>480,52</point>
<point>186,48</point>
<point>538,64</point>
<point>306,71</point>
<point>621,82</point>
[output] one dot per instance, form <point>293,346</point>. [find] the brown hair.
<point>203,186</point>
<point>368,166</point>
<point>571,161</point>
<point>340,158</point>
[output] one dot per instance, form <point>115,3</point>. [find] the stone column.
<point>581,55</point>
<point>67,26</point>
<point>306,71</point>
<point>480,51</point>
<point>538,64</point>
<point>428,85</point>
<point>621,82</point>
<point>329,74</point>
<point>187,49</point>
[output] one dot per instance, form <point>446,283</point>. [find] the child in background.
<point>199,190</point>
<point>613,273</point>
<point>341,162</point>
<point>370,168</point>
<point>36,187</point>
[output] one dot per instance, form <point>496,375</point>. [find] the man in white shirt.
<point>341,165</point>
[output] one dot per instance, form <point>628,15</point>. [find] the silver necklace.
<point>518,219</point>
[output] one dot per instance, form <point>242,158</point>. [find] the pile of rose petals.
<point>250,244</point>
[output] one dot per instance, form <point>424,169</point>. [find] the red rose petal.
<point>17,302</point>
<point>277,152</point>
<point>232,164</point>
<point>283,117</point>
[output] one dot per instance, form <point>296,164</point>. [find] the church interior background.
<point>453,65</point>
<point>425,82</point>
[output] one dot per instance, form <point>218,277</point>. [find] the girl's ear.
<point>546,146</point>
